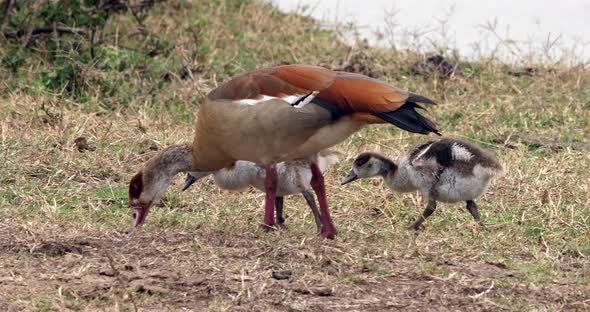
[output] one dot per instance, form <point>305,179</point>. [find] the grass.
<point>63,213</point>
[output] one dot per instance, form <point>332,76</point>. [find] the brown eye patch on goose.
<point>136,186</point>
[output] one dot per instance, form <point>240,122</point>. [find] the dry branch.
<point>46,30</point>
<point>7,6</point>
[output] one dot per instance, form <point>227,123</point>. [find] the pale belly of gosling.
<point>454,187</point>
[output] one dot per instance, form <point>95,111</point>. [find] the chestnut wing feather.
<point>278,81</point>
<point>354,93</point>
<point>358,93</point>
<point>347,93</point>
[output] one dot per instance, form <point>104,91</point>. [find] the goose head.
<point>367,165</point>
<point>150,183</point>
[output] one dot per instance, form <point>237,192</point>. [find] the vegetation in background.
<point>89,90</point>
<point>110,53</point>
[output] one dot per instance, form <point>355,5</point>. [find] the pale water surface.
<point>524,30</point>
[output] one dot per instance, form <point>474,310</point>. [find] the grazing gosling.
<point>293,178</point>
<point>446,170</point>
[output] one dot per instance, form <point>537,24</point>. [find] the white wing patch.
<point>255,101</point>
<point>461,153</point>
<point>291,99</point>
<point>423,152</point>
<point>307,100</point>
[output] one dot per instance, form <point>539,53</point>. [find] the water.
<point>510,30</point>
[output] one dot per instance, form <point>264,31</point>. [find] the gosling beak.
<point>140,212</point>
<point>190,179</point>
<point>349,178</point>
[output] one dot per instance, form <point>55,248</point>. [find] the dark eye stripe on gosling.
<point>447,170</point>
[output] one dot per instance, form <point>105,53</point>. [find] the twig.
<point>108,38</point>
<point>55,34</point>
<point>29,30</point>
<point>136,16</point>
<point>483,292</point>
<point>7,7</point>
<point>133,49</point>
<point>44,30</point>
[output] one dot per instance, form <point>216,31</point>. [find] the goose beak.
<point>349,178</point>
<point>190,179</point>
<point>140,212</point>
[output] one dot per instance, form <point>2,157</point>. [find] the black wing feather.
<point>407,118</point>
<point>415,98</point>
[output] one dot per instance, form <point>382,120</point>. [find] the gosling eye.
<point>361,160</point>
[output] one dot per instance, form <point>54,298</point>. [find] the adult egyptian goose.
<point>446,170</point>
<point>293,178</point>
<point>278,114</point>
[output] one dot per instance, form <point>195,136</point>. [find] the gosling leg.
<point>472,207</point>
<point>279,208</point>
<point>427,212</point>
<point>310,199</point>
<point>270,187</point>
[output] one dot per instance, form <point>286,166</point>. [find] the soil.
<point>149,271</point>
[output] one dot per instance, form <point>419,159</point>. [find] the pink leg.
<point>270,186</point>
<point>317,183</point>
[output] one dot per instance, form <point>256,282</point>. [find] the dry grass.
<point>63,213</point>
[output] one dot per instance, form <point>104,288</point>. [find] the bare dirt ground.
<point>204,269</point>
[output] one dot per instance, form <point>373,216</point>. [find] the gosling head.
<point>150,183</point>
<point>367,165</point>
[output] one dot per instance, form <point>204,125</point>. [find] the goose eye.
<point>136,186</point>
<point>361,161</point>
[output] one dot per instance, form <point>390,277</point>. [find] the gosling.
<point>446,170</point>
<point>293,178</point>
